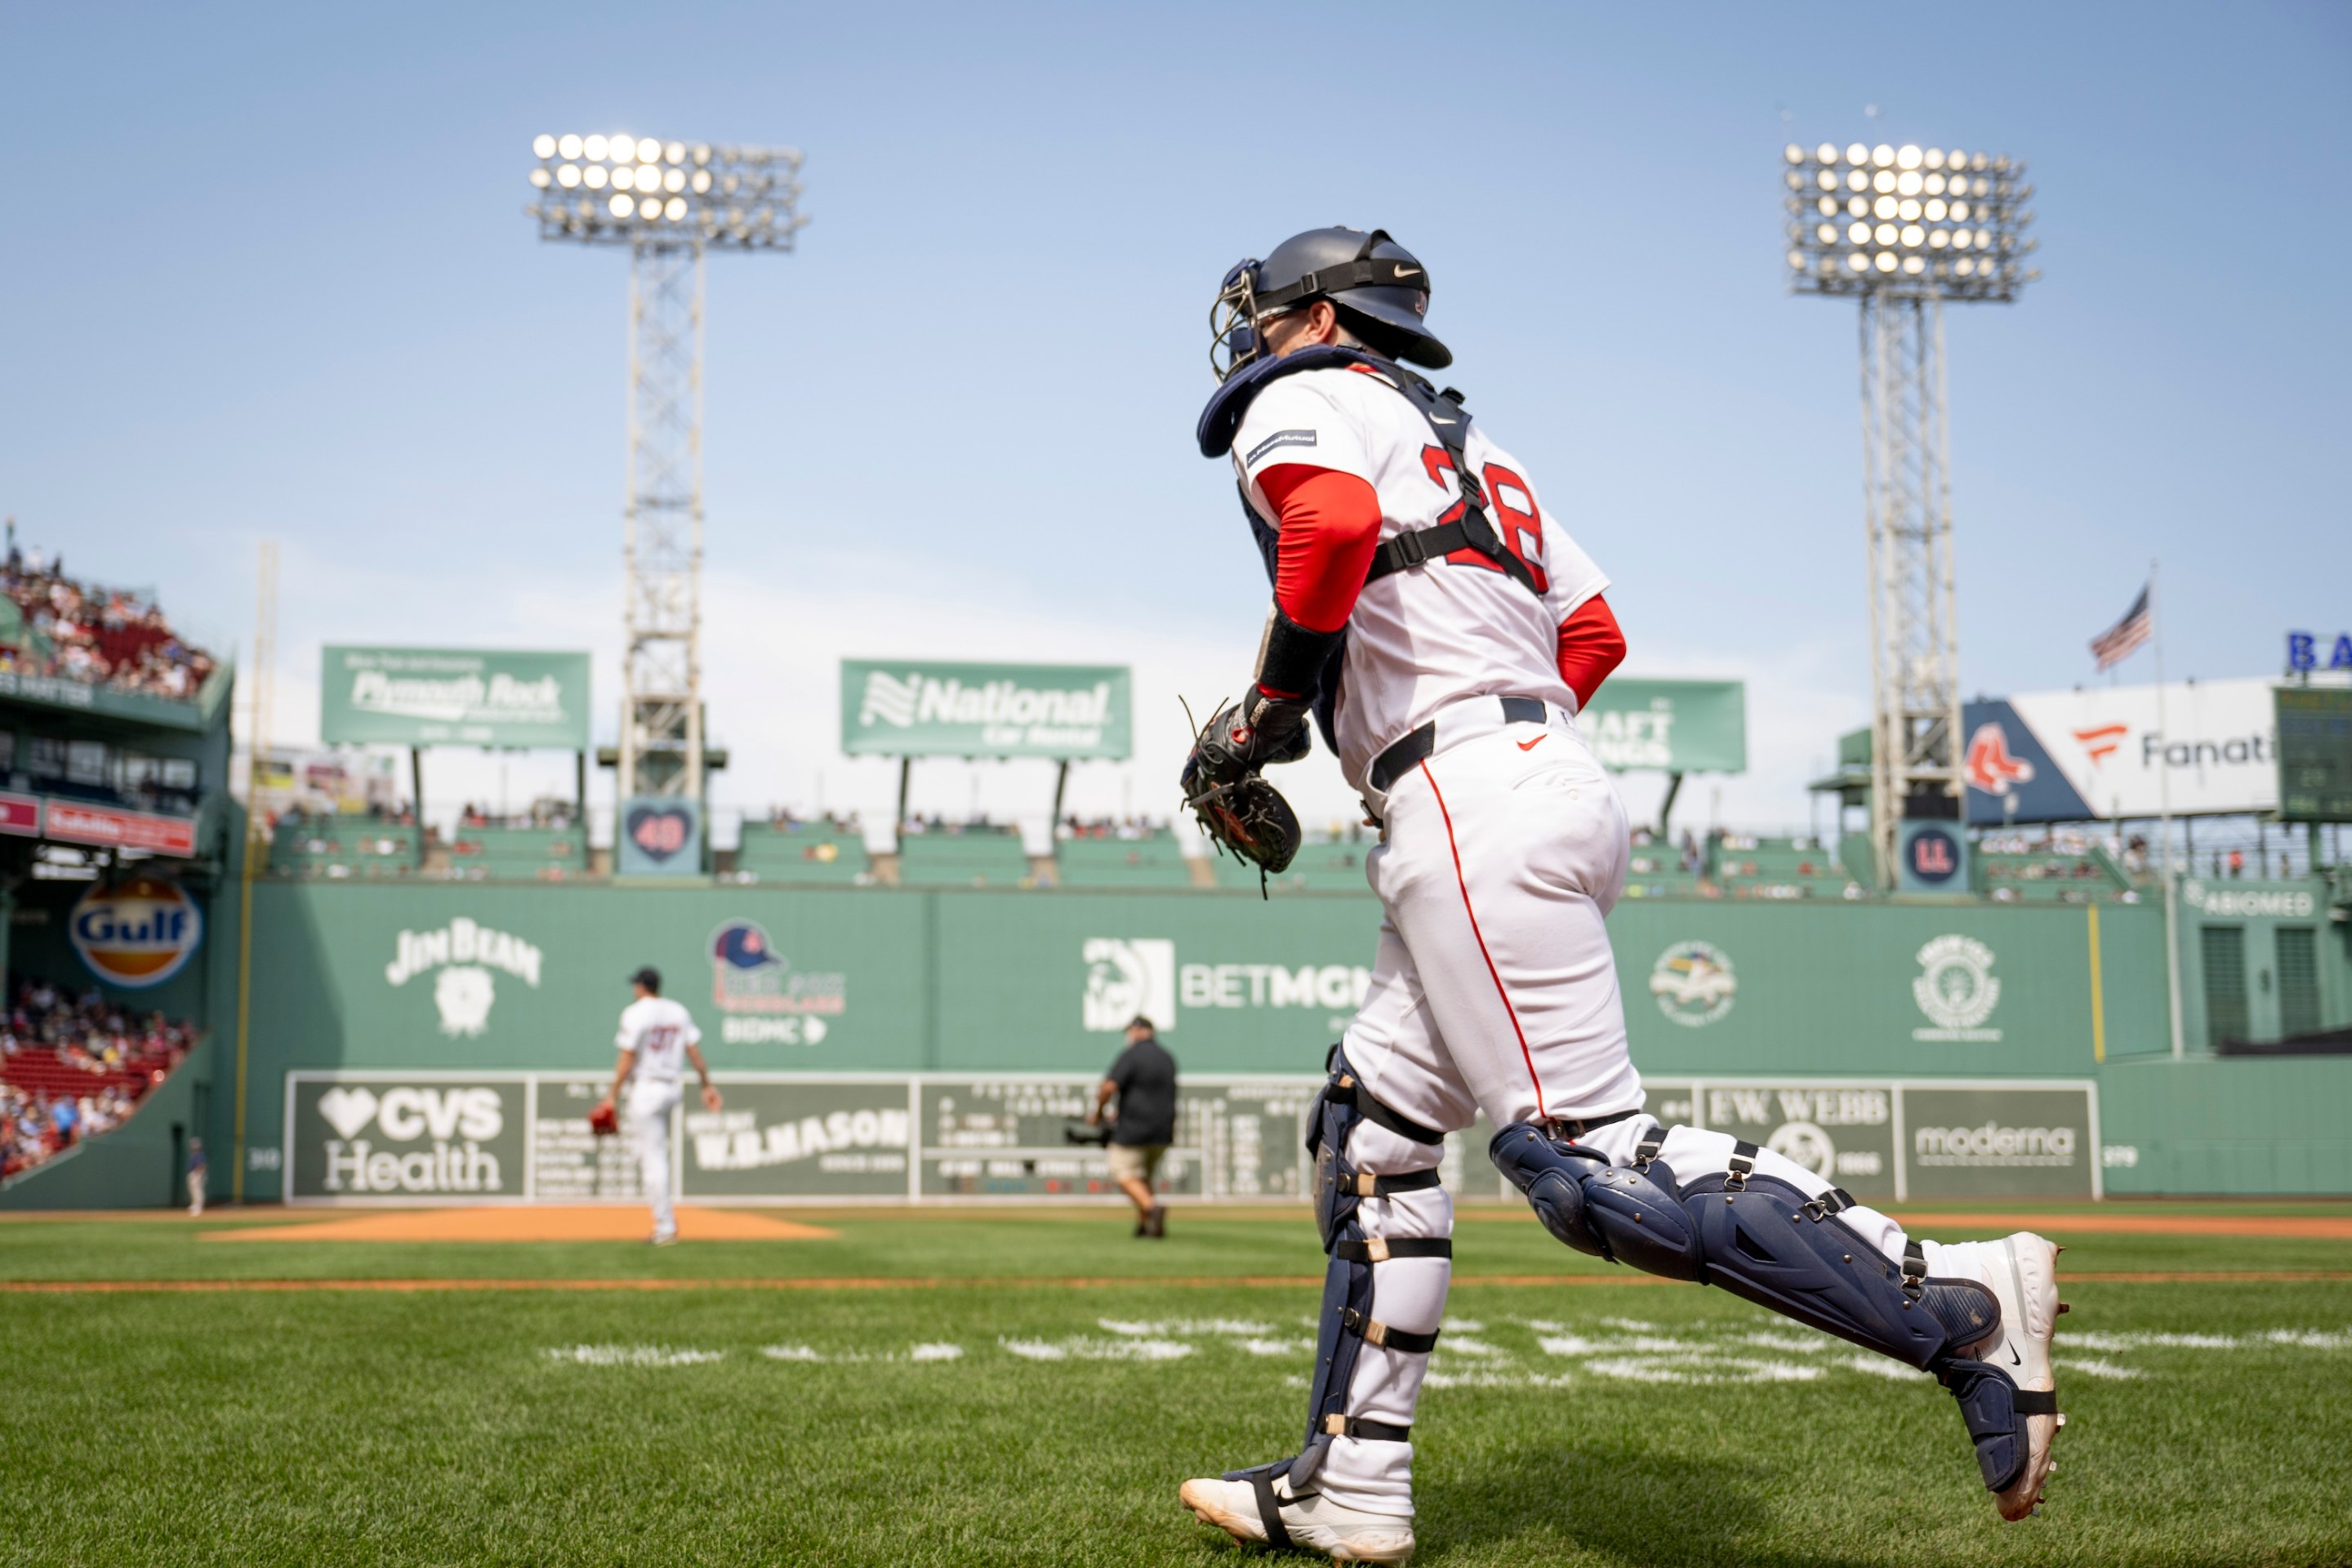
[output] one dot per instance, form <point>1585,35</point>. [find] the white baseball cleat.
<point>2022,1274</point>
<point>1311,1523</point>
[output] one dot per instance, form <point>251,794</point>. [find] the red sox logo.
<point>1990,767</point>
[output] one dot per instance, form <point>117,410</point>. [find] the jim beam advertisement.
<point>441,1138</point>
<point>800,1139</point>
<point>1998,1142</point>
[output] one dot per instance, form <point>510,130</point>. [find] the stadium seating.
<point>1655,871</point>
<point>1759,867</point>
<point>802,852</point>
<point>338,847</point>
<point>518,854</point>
<point>1154,860</point>
<point>1324,865</point>
<point>2050,876</point>
<point>962,858</point>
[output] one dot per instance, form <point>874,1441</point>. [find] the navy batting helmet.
<point>1379,289</point>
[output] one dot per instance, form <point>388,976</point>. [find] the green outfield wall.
<point>439,980</point>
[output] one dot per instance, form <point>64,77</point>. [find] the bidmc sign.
<point>136,932</point>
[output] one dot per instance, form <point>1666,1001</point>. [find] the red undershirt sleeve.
<point>1330,526</point>
<point>1590,646</point>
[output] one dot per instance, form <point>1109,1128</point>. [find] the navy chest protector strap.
<point>1448,421</point>
<point>1469,528</point>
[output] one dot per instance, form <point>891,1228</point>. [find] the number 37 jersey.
<point>658,1030</point>
<point>1454,627</point>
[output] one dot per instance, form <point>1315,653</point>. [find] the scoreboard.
<point>2314,754</point>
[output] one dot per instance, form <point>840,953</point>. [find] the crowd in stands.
<point>548,812</point>
<point>74,1067</point>
<point>52,626</point>
<point>783,819</point>
<point>400,815</point>
<point>935,823</point>
<point>1128,827</point>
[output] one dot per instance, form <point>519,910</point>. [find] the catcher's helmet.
<point>1380,288</point>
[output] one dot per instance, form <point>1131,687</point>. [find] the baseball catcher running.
<point>1441,631</point>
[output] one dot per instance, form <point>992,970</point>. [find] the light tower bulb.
<point>543,146</point>
<point>1906,158</point>
<point>593,148</point>
<point>1882,155</point>
<point>622,205</point>
<point>567,175</point>
<point>569,146</point>
<point>1794,153</point>
<point>1857,153</point>
<point>1826,152</point>
<point>622,150</point>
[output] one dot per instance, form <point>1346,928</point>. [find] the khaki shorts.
<point>1134,1161</point>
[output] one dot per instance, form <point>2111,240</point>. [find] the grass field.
<point>1024,1387</point>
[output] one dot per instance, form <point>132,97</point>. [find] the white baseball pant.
<point>650,1104</point>
<point>1496,989</point>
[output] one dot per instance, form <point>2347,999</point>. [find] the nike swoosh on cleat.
<point>2015,1359</point>
<point>1531,745</point>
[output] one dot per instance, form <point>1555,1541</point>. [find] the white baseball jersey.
<point>1421,638</point>
<point>658,1030</point>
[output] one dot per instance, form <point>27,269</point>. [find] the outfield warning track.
<point>1071,1283</point>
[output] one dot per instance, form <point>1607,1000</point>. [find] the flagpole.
<point>2164,806</point>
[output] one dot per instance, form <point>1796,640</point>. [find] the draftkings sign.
<point>1672,726</point>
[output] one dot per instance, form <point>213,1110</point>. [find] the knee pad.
<point>1624,1215</point>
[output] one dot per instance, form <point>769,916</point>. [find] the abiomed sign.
<point>453,697</point>
<point>905,709</point>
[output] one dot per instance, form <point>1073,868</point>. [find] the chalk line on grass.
<point>1182,1327</point>
<point>1083,1347</point>
<point>633,1355</point>
<point>2094,1367</point>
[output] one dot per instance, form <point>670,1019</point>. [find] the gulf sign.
<point>136,932</point>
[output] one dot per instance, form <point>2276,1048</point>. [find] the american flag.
<point>2116,644</point>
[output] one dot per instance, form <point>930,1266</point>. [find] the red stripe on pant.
<point>1525,1055</point>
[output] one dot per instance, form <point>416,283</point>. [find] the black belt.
<point>1575,1126</point>
<point>1392,763</point>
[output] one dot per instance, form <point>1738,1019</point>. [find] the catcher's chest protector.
<point>1466,527</point>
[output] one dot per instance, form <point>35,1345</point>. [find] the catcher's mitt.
<point>1235,807</point>
<point>604,1121</point>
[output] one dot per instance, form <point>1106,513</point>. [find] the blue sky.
<point>271,279</point>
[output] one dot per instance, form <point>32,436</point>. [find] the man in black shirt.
<point>1144,1080</point>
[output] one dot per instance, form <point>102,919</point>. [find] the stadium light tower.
<point>670,203</point>
<point>1904,229</point>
